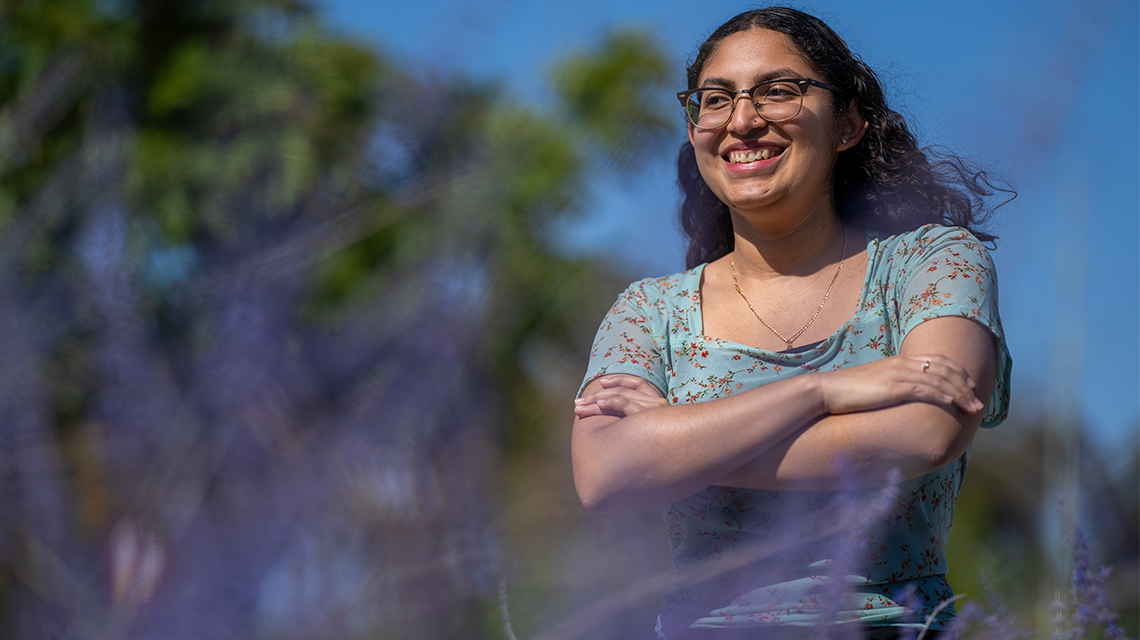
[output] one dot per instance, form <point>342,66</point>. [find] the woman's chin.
<point>752,201</point>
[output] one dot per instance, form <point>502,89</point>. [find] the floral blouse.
<point>751,557</point>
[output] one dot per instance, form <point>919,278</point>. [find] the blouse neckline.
<point>697,318</point>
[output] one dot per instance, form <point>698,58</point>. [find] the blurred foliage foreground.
<point>289,345</point>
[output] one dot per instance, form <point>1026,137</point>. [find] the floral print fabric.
<point>749,557</point>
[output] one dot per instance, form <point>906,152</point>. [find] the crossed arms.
<point>631,449</point>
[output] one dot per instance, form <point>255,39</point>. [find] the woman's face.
<point>794,182</point>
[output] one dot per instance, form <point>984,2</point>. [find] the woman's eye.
<point>715,100</point>
<point>779,92</point>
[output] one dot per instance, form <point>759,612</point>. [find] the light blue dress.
<point>749,557</point>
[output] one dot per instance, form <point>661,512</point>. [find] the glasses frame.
<point>801,83</point>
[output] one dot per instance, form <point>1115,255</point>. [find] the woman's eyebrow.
<point>719,82</point>
<point>774,74</point>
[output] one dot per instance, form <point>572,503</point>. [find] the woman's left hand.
<point>621,395</point>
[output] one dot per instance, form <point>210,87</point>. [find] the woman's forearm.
<point>663,454</point>
<point>858,450</point>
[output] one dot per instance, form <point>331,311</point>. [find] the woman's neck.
<point>800,250</point>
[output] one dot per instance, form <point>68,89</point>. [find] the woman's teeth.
<point>739,157</point>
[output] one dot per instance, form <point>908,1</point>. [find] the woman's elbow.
<point>605,487</point>
<point>594,501</point>
<point>938,457</point>
<point>593,494</point>
<point>948,439</point>
<point>598,474</point>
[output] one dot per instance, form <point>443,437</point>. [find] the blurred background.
<point>294,298</point>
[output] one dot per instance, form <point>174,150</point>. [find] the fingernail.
<point>970,381</point>
<point>978,404</point>
<point>579,401</point>
<point>947,398</point>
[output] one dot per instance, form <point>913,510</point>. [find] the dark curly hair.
<point>886,182</point>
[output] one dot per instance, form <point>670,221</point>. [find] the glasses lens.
<point>778,101</point>
<point>709,108</point>
<point>775,102</point>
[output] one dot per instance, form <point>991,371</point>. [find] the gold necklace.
<point>788,341</point>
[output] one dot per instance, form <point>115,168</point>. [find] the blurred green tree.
<point>300,300</point>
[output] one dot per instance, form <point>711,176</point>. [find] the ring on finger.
<point>925,366</point>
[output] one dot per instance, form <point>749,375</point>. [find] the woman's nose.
<point>745,117</point>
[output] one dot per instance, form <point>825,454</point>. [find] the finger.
<point>954,392</point>
<point>963,389</point>
<point>601,407</point>
<point>587,410</point>
<point>957,368</point>
<point>624,403</point>
<point>953,365</point>
<point>620,405</point>
<point>623,392</point>
<point>951,380</point>
<point>629,382</point>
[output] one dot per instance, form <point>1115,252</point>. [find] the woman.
<point>839,320</point>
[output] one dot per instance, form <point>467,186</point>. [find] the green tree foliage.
<point>274,308</point>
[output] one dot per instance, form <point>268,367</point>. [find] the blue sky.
<point>1048,90</point>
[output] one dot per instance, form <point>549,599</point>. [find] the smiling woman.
<point>801,132</point>
<point>838,321</point>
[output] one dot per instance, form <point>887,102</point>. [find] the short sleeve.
<point>630,338</point>
<point>949,273</point>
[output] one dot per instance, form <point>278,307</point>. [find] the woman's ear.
<point>852,125</point>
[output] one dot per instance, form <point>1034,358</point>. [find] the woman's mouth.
<point>743,156</point>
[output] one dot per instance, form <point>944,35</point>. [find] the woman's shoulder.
<point>678,289</point>
<point>930,240</point>
<point>930,235</point>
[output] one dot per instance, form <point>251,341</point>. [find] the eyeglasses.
<point>775,101</point>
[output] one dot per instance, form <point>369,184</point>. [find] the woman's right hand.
<point>934,379</point>
<point>618,395</point>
